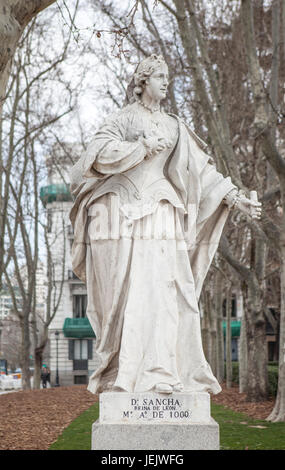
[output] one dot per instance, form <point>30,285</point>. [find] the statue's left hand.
<point>249,207</point>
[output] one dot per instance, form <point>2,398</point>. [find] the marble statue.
<point>148,213</point>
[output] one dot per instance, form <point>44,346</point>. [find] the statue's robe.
<point>143,293</point>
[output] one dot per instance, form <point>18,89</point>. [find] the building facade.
<point>71,338</point>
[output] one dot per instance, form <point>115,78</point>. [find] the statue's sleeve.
<point>214,188</point>
<point>110,153</point>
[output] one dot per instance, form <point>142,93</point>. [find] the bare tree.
<point>229,370</point>
<point>10,340</point>
<point>213,70</point>
<point>243,376</point>
<point>41,322</point>
<point>15,15</point>
<point>28,116</point>
<point>266,116</point>
<point>218,305</point>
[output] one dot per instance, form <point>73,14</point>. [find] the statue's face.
<point>156,85</point>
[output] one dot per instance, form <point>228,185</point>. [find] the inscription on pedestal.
<point>154,408</point>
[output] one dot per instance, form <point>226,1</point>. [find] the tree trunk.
<point>25,355</point>
<point>243,378</point>
<point>278,412</point>
<point>283,27</point>
<point>257,353</point>
<point>220,349</point>
<point>220,333</point>
<point>257,387</point>
<point>229,372</point>
<point>38,367</point>
<point>257,363</point>
<point>38,353</point>
<point>213,334</point>
<point>255,326</point>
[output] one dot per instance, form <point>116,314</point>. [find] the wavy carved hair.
<point>144,70</point>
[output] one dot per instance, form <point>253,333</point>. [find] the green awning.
<point>55,192</point>
<point>78,328</point>
<point>235,327</point>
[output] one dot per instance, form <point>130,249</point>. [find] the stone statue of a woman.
<point>148,214</point>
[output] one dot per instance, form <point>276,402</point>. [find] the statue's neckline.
<point>151,110</point>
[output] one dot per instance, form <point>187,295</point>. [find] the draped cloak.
<point>201,189</point>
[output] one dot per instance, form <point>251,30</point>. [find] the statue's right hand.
<point>155,144</point>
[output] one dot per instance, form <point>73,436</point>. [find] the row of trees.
<point>227,69</point>
<point>227,72</point>
<point>37,100</point>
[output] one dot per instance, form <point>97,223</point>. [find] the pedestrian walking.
<point>45,376</point>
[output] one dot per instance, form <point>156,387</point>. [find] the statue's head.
<point>151,76</point>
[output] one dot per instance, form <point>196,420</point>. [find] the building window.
<point>80,349</point>
<point>80,379</point>
<point>79,306</point>
<point>80,364</point>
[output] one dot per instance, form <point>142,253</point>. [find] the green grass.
<point>77,436</point>
<point>236,432</point>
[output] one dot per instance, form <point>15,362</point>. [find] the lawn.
<point>77,436</point>
<point>237,431</point>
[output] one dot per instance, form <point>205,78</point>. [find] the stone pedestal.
<point>155,421</point>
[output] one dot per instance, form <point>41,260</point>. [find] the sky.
<point>90,104</point>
